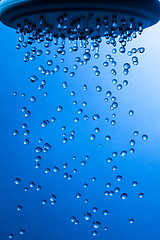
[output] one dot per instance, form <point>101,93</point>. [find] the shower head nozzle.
<point>88,14</point>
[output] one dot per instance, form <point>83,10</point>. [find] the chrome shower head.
<point>81,19</point>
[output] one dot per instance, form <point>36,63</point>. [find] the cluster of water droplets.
<point>57,55</point>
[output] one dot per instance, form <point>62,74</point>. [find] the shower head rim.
<point>11,10</point>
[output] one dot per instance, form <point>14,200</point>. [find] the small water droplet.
<point>98,89</point>
<point>131,220</point>
<point>105,212</point>
<point>22,231</point>
<point>144,137</point>
<point>87,216</point>
<point>96,224</point>
<point>11,236</point>
<point>78,195</point>
<point>19,208</point>
<point>134,183</point>
<point>124,196</point>
<point>94,209</point>
<point>59,108</point>
<point>131,112</point>
<point>141,195</point>
<point>119,178</point>
<point>17,181</point>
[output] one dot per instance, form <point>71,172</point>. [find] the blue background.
<point>18,160</point>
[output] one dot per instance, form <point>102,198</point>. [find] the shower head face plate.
<point>93,18</point>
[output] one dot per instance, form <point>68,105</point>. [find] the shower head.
<point>88,17</point>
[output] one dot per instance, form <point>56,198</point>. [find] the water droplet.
<point>59,108</point>
<point>53,119</point>
<point>97,130</point>
<point>134,183</point>
<point>105,64</point>
<point>32,184</point>
<point>96,224</point>
<point>76,222</point>
<point>34,78</point>
<point>52,198</point>
<point>141,50</point>
<point>117,189</point>
<point>32,58</point>
<point>11,236</point>
<point>132,150</point>
<point>56,169</point>
<point>92,137</point>
<point>131,220</point>
<point>122,50</point>
<point>19,208</point>
<point>44,202</point>
<point>114,81</point>
<point>108,94</point>
<point>73,219</point>
<point>135,133</point>
<point>125,82</point>
<point>18,46</point>
<point>119,178</point>
<point>78,195</point>
<point>123,153</point>
<point>105,212</point>
<point>33,99</point>
<point>26,189</point>
<point>119,86</point>
<point>106,193</point>
<point>131,112</point>
<point>132,142</point>
<point>17,181</point>
<point>109,160</point>
<point>27,114</point>
<point>38,149</point>
<point>38,188</point>
<point>97,73</point>
<point>113,71</point>
<point>85,185</point>
<point>134,59</point>
<point>141,195</point>
<point>50,63</point>
<point>22,231</point>
<point>94,233</point>
<point>108,138</point>
<point>124,196</point>
<point>38,158</point>
<point>15,94</point>
<point>39,53</point>
<point>72,74</point>
<point>93,179</point>
<point>114,168</point>
<point>95,68</point>
<point>144,137</point>
<point>126,66</point>
<point>98,89</point>
<point>87,216</point>
<point>87,56</point>
<point>26,141</point>
<point>15,133</point>
<point>94,209</point>
<point>96,117</point>
<point>125,71</point>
